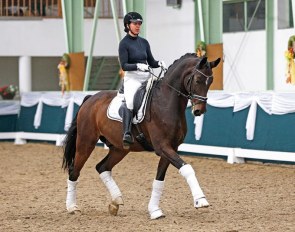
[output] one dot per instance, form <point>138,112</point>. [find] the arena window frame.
<point>285,14</point>
<point>237,15</point>
<point>243,15</point>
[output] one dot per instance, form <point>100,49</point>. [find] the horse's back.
<point>97,105</point>
<point>104,95</point>
<point>101,98</point>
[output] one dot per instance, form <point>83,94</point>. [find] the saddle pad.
<point>113,109</point>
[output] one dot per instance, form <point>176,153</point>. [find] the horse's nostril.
<point>197,112</point>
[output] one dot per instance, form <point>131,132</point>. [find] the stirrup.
<point>127,140</point>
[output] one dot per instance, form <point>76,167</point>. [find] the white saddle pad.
<point>113,109</point>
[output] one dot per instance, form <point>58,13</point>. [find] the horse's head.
<point>195,76</point>
<point>197,84</point>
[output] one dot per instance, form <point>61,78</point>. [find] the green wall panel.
<point>221,127</point>
<point>8,123</point>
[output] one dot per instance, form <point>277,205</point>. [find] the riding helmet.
<point>131,17</point>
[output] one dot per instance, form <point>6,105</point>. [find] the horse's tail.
<point>70,141</point>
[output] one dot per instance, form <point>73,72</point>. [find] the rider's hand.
<point>142,67</point>
<point>162,65</point>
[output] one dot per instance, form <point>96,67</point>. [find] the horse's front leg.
<point>198,196</point>
<point>188,173</point>
<point>158,186</point>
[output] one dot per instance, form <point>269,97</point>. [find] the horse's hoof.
<point>113,209</point>
<point>201,203</point>
<point>73,209</point>
<point>157,214</point>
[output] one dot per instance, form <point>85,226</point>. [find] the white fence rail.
<point>234,155</point>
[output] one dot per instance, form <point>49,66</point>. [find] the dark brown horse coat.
<point>164,126</point>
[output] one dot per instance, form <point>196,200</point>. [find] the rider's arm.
<point>150,59</point>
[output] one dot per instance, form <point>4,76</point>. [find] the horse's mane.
<point>187,55</point>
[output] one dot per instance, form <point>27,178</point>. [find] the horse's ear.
<point>213,64</point>
<point>202,63</point>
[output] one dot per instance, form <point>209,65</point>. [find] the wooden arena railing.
<point>53,8</point>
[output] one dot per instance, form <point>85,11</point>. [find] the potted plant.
<point>8,91</point>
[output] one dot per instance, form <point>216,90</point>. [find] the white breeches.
<point>132,81</point>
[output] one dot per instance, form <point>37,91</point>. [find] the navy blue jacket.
<point>133,50</point>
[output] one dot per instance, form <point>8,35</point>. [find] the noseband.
<point>190,95</point>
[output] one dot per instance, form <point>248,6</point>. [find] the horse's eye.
<point>198,82</point>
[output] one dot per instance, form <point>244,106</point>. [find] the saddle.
<point>140,102</point>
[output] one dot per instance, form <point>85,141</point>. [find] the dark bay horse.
<point>188,78</point>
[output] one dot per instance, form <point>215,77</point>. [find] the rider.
<point>135,59</point>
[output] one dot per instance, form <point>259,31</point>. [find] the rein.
<point>159,76</point>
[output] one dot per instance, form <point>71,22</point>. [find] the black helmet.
<point>131,17</point>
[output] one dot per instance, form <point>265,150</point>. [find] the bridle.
<point>190,95</point>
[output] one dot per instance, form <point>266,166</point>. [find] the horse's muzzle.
<point>199,109</point>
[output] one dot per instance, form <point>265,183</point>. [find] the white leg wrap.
<point>111,185</point>
<point>153,207</point>
<point>198,196</point>
<point>71,201</point>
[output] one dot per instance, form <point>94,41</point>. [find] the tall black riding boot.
<point>127,123</point>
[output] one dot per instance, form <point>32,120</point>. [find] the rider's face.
<point>134,27</point>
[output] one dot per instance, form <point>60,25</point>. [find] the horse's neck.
<point>172,92</point>
<point>169,97</point>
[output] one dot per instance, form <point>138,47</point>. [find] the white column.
<point>25,74</point>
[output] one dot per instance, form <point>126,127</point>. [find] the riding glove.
<point>142,67</point>
<point>162,64</point>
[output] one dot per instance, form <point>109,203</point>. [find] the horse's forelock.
<point>204,64</point>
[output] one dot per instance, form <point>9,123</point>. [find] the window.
<point>255,15</point>
<point>233,17</point>
<point>247,15</point>
<point>53,8</point>
<point>105,10</point>
<point>285,17</point>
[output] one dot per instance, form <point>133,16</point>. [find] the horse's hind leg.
<point>104,168</point>
<point>83,152</point>
<point>157,190</point>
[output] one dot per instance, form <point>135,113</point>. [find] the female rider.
<point>135,59</point>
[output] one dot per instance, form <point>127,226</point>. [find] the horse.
<point>164,128</point>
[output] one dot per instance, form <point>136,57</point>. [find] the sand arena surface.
<point>243,197</point>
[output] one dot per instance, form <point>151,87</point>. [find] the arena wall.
<point>223,131</point>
